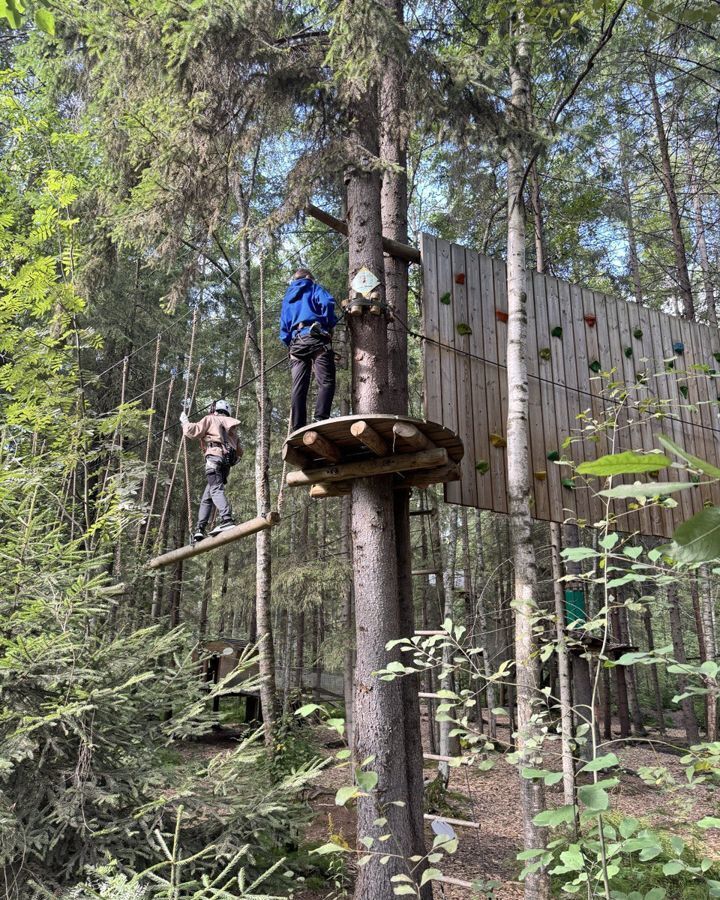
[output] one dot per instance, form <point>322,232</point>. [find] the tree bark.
<point>657,693</point>
<point>667,177</point>
<point>710,651</point>
<point>537,885</point>
<point>563,661</point>
<point>699,216</point>
<point>688,713</point>
<point>634,258</point>
<point>379,716</point>
<point>489,644</point>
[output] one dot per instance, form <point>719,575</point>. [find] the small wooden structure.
<point>330,455</point>
<point>259,523</point>
<point>218,659</point>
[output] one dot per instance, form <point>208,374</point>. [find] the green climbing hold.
<point>568,483</point>
<point>482,466</point>
<point>669,365</point>
<point>445,298</point>
<point>554,455</point>
<point>683,388</point>
<point>637,333</point>
<point>557,331</point>
<point>628,351</point>
<point>641,377</point>
<point>463,329</point>
<point>545,353</point>
<point>716,357</point>
<point>595,366</point>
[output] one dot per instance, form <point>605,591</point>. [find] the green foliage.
<point>628,462</point>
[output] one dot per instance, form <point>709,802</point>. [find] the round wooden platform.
<point>332,453</point>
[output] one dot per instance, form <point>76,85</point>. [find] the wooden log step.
<point>428,633</point>
<point>259,523</point>
<point>461,823</point>
<point>338,489</point>
<point>321,446</point>
<point>407,432</point>
<point>294,456</point>
<point>367,435</point>
<point>403,462</point>
<point>420,512</point>
<point>429,695</point>
<point>426,572</point>
<point>456,882</point>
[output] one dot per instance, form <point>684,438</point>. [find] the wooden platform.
<point>330,455</point>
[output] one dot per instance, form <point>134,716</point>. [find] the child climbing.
<point>220,447</point>
<point>306,323</point>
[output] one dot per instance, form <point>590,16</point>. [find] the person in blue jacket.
<point>307,320</point>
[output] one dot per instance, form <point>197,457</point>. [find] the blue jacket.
<point>307,302</point>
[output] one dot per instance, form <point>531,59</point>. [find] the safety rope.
<point>186,408</point>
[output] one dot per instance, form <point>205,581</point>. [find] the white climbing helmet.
<point>222,406</point>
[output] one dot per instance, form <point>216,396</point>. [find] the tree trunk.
<point>489,642</point>
<point>699,215</point>
<point>630,680</point>
<point>688,713</point>
<point>563,663</point>
<point>682,276</point>
<point>620,681</point>
<point>448,747</point>
<point>710,653</point>
<point>657,693</point>
<point>537,885</point>
<point>379,714</point>
<point>206,600</point>
<point>634,258</point>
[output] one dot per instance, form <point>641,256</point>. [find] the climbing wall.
<point>574,335</point>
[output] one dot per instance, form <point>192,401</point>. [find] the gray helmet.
<point>222,406</point>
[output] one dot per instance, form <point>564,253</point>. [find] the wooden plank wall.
<point>464,321</point>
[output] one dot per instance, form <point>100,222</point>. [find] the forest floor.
<point>492,798</point>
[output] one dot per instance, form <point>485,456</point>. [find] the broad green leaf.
<point>709,668</point>
<point>404,890</point>
<point>430,875</point>
<point>695,461</point>
<point>698,539</point>
<point>601,762</point>
<point>345,793</point>
<point>672,867</point>
<point>576,554</point>
<point>307,710</point>
<point>626,463</point>
<point>594,797</point>
<point>656,893</point>
<point>649,489</point>
<point>366,780</point>
<point>45,20</point>
<point>328,848</point>
<point>709,822</point>
<point>650,852</point>
<point>550,818</point>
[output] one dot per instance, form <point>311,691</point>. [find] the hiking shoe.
<point>199,534</point>
<point>224,525</point>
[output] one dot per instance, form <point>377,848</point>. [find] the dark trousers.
<point>305,360</point>
<point>214,495</point>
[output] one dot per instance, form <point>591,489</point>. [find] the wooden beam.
<point>364,468</point>
<point>339,489</point>
<point>320,445</point>
<point>461,823</point>
<point>407,432</point>
<point>370,438</point>
<point>425,571</point>
<point>420,512</point>
<point>295,456</point>
<point>260,523</point>
<point>438,757</point>
<point>394,248</point>
<point>442,474</point>
<point>458,882</point>
<point>428,633</point>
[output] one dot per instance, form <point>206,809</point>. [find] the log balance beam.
<point>259,523</point>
